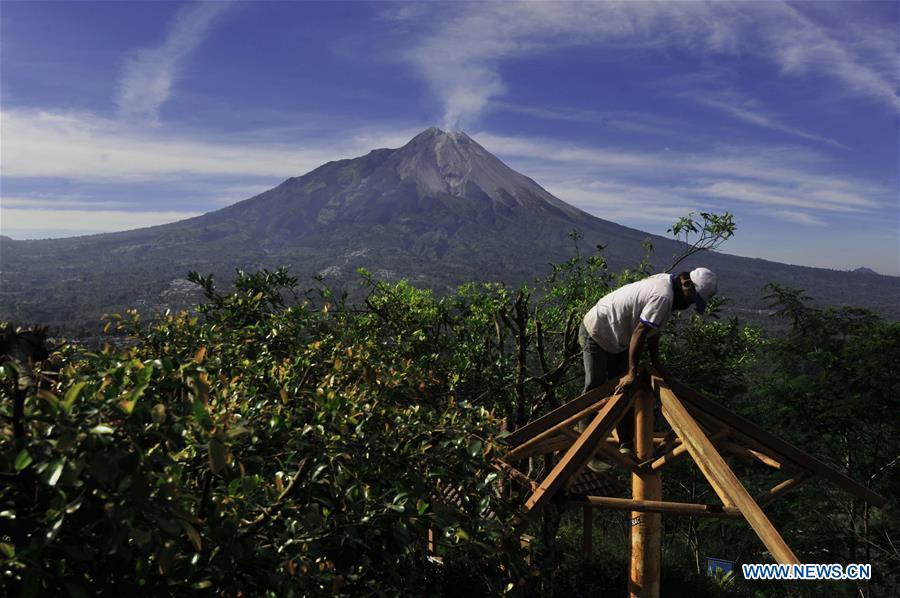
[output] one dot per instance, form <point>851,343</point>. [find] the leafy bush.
<point>252,447</point>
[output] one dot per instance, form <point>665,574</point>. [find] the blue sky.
<point>117,115</point>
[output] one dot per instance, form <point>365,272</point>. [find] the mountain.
<point>438,211</point>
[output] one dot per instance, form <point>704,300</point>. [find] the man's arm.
<point>635,348</point>
<point>653,344</point>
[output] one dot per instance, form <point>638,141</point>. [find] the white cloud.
<point>461,55</point>
<point>85,147</point>
<point>26,223</point>
<point>799,218</point>
<point>622,202</point>
<point>660,186</point>
<point>747,111</point>
<point>636,122</point>
<point>149,73</point>
<point>46,202</point>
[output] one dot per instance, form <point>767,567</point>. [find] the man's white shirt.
<point>612,321</point>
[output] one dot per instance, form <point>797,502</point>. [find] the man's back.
<point>613,319</point>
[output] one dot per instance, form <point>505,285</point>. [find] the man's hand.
<point>626,381</point>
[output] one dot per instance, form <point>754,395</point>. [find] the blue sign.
<point>714,566</point>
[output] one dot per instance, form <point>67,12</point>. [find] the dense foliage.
<point>295,444</point>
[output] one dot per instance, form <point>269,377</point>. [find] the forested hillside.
<point>289,443</point>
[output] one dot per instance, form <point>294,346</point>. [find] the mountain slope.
<point>439,211</point>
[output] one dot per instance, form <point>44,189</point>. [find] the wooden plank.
<point>579,453</point>
<point>779,489</point>
<point>656,506</point>
<point>558,428</point>
<point>719,475</point>
<point>563,413</point>
<point>768,440</point>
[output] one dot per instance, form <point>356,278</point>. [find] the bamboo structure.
<point>698,428</point>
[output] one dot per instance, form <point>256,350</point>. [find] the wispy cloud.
<point>799,218</point>
<point>635,122</point>
<point>462,53</point>
<point>31,223</point>
<point>657,186</point>
<point>86,147</point>
<point>149,73</point>
<point>749,111</point>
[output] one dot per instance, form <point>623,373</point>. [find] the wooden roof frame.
<point>701,429</point>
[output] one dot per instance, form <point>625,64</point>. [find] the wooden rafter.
<point>552,445</point>
<point>555,429</point>
<point>561,414</point>
<point>580,452</point>
<point>780,489</point>
<point>802,459</point>
<point>719,474</point>
<point>681,451</point>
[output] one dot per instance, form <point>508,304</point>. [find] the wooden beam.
<point>768,440</point>
<point>558,428</point>
<point>656,506</point>
<point>779,489</point>
<point>680,451</point>
<point>552,445</point>
<point>719,475</point>
<point>743,440</point>
<point>579,453</point>
<point>514,474</point>
<point>752,455</point>
<point>563,413</point>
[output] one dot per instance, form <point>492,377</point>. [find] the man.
<point>614,331</point>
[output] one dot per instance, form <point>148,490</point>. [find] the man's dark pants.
<point>600,366</point>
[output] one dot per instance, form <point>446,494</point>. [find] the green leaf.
<point>8,549</point>
<point>102,429</point>
<point>158,413</point>
<point>23,460</point>
<point>55,470</point>
<point>72,395</point>
<point>202,585</point>
<point>218,455</point>
<point>474,448</point>
<point>192,534</point>
<point>201,414</point>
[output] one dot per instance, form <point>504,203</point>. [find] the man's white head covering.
<point>707,284</point>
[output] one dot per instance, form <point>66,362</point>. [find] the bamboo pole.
<point>657,506</point>
<point>779,489</point>
<point>646,536</point>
